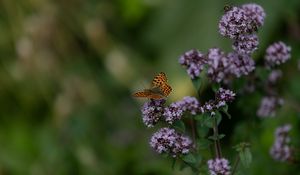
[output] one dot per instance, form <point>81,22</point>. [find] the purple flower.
<point>234,22</point>
<point>194,62</point>
<point>168,141</point>
<point>241,64</point>
<point>274,76</point>
<point>222,96</point>
<point>225,95</point>
<point>277,53</point>
<point>218,65</point>
<point>245,43</point>
<point>281,149</point>
<point>268,106</point>
<point>218,166</point>
<point>152,112</point>
<point>256,13</point>
<point>190,104</point>
<point>173,112</point>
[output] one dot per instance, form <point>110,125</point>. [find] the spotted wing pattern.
<point>159,82</point>
<point>148,94</point>
<point>159,79</point>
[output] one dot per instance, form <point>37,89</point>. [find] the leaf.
<point>173,164</point>
<point>215,87</point>
<point>224,109</point>
<point>197,83</point>
<point>246,157</point>
<point>189,158</point>
<point>202,130</point>
<point>216,138</point>
<point>179,125</point>
<point>203,143</point>
<point>218,116</point>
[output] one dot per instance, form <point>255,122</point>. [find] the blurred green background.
<point>68,68</point>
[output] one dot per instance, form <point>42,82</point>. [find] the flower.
<point>173,112</point>
<point>245,43</point>
<point>218,65</point>
<point>281,149</point>
<point>277,53</point>
<point>256,13</point>
<point>190,104</point>
<point>234,22</point>
<point>168,141</point>
<point>274,76</point>
<point>152,112</point>
<point>225,95</point>
<point>268,106</point>
<point>218,166</point>
<point>194,62</point>
<point>222,96</point>
<point>241,64</point>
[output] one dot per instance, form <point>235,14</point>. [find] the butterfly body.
<point>160,89</point>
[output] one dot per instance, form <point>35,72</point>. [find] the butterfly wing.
<point>165,89</point>
<point>159,80</point>
<point>147,94</point>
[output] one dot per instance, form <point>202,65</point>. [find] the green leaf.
<point>217,137</point>
<point>246,157</point>
<point>202,130</point>
<point>189,158</point>
<point>203,143</point>
<point>197,83</point>
<point>218,116</point>
<point>224,109</point>
<point>173,163</point>
<point>215,87</point>
<point>179,125</point>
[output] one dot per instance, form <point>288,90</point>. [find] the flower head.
<point>194,62</point>
<point>173,112</point>
<point>274,76</point>
<point>277,53</point>
<point>168,141</point>
<point>234,22</point>
<point>225,95</point>
<point>218,65</point>
<point>281,149</point>
<point>245,43</point>
<point>190,104</point>
<point>256,13</point>
<point>152,112</point>
<point>241,64</point>
<point>218,166</point>
<point>268,106</point>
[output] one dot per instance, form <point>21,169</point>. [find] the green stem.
<point>237,160</point>
<point>216,140</point>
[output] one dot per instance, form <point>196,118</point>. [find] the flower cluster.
<point>245,43</point>
<point>152,112</point>
<point>221,66</point>
<point>218,166</point>
<point>222,97</point>
<point>274,76</point>
<point>173,112</point>
<point>194,62</point>
<point>281,149</point>
<point>241,20</point>
<point>168,141</point>
<point>268,106</point>
<point>277,53</point>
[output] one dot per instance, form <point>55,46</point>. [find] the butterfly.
<point>159,88</point>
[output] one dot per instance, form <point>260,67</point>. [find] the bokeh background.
<point>68,68</point>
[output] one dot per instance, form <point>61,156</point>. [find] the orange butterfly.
<point>160,88</point>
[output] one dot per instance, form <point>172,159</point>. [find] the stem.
<point>216,140</point>
<point>237,160</point>
<point>192,123</point>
